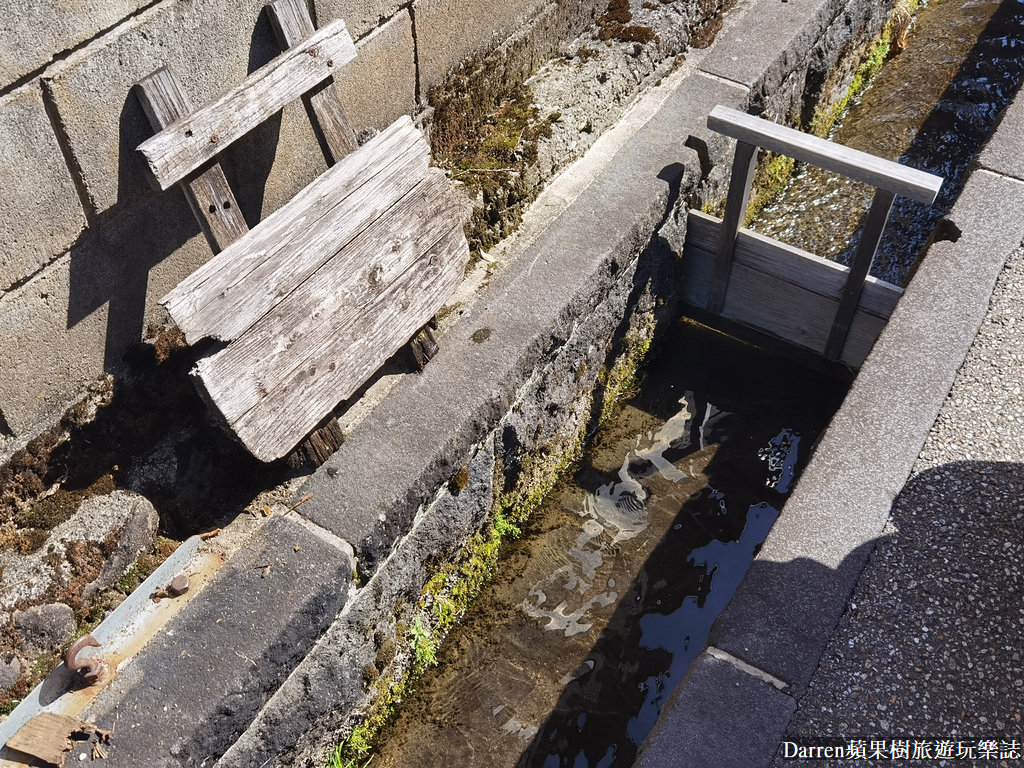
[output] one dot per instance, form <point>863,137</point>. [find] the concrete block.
<point>74,320</point>
<point>380,84</point>
<point>40,214</point>
<point>45,362</point>
<point>449,31</point>
<point>210,47</point>
<point>196,686</point>
<point>721,717</point>
<point>360,16</point>
<point>1002,153</point>
<point>33,31</point>
<point>747,51</point>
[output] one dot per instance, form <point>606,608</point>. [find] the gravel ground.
<point>930,647</point>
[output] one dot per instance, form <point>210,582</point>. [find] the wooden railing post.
<point>743,164</point>
<point>874,225</point>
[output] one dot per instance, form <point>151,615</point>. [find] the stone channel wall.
<point>86,247</point>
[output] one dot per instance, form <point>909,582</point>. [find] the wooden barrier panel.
<point>782,290</point>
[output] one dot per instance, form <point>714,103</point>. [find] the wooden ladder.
<point>820,305</point>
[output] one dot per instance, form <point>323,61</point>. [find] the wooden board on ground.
<point>325,290</point>
<point>782,290</point>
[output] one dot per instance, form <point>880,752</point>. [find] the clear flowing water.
<point>598,611</point>
<point>930,107</point>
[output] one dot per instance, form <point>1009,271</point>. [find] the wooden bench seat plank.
<point>231,292</point>
<point>254,365</point>
<point>207,192</point>
<point>190,142</point>
<point>292,25</point>
<point>276,423</point>
<point>881,173</point>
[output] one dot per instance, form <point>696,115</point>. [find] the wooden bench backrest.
<point>196,138</point>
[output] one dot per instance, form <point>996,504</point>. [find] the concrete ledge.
<point>1002,153</point>
<point>186,697</point>
<point>721,717</point>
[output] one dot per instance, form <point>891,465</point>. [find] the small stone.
<point>44,628</point>
<point>9,673</point>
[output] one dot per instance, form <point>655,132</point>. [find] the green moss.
<point>891,40</point>
<point>424,644</point>
<point>623,379</point>
<point>486,131</point>
<point>771,177</point>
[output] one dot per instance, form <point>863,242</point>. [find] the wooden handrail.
<point>857,165</point>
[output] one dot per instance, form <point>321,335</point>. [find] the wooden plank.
<point>870,236</point>
<point>230,293</point>
<point>342,363</point>
<point>743,164</point>
<point>47,736</point>
<point>207,192</point>
<point>885,174</point>
<point>812,272</point>
<point>784,291</point>
<point>360,271</point>
<point>193,140</point>
<point>277,423</point>
<point>292,24</point>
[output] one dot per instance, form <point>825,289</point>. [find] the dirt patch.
<point>614,25</point>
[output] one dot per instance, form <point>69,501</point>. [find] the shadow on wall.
<point>113,261</point>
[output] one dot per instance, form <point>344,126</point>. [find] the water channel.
<point>596,613</point>
<point>929,107</point>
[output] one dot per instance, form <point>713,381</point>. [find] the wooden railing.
<point>888,178</point>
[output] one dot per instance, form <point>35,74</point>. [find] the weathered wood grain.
<point>291,23</point>
<point>885,174</point>
<point>207,192</point>
<point>193,140</point>
<point>360,271</point>
<point>784,291</point>
<point>743,164</point>
<point>230,293</point>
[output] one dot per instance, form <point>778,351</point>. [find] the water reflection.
<point>598,611</point>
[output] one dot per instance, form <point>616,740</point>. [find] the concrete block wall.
<point>86,247</point>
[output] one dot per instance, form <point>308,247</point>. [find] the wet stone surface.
<point>597,612</point>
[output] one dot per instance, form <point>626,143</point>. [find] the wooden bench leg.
<point>319,446</point>
<point>424,344</point>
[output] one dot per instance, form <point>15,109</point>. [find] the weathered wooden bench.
<point>313,300</point>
